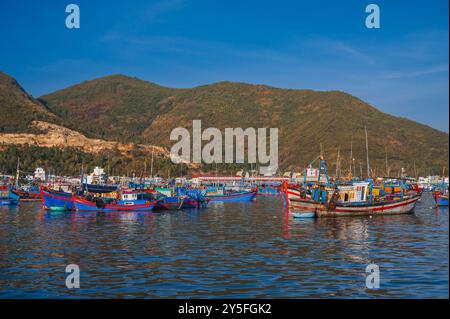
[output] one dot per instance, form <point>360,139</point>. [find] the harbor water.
<point>229,250</point>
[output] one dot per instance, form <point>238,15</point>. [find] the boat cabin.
<point>135,196</point>
<point>354,193</point>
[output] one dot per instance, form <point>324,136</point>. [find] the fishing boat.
<point>358,199</point>
<point>192,198</point>
<point>441,193</point>
<point>440,199</point>
<point>129,201</point>
<point>232,196</point>
<point>28,193</point>
<point>403,205</point>
<point>168,202</point>
<point>7,196</point>
<point>52,198</point>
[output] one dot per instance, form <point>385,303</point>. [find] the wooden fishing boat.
<point>246,195</point>
<point>349,200</point>
<point>441,193</point>
<point>169,203</point>
<point>28,193</point>
<point>52,198</point>
<point>399,206</point>
<point>98,204</point>
<point>440,199</point>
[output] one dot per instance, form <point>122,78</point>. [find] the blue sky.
<point>401,68</point>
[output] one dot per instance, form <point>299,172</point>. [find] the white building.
<point>39,174</point>
<point>97,176</point>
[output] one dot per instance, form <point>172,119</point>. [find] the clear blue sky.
<point>401,68</point>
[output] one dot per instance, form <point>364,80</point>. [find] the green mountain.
<point>128,109</point>
<point>125,109</point>
<point>115,107</point>
<point>18,109</point>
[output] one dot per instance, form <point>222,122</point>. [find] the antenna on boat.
<point>367,153</point>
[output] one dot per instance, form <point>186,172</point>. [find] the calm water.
<point>227,250</point>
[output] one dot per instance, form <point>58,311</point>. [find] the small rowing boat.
<point>304,214</point>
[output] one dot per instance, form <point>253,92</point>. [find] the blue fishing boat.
<point>192,198</point>
<point>231,196</point>
<point>7,196</point>
<point>28,192</point>
<point>441,194</point>
<point>441,199</point>
<point>168,203</point>
<point>51,198</point>
<point>129,202</point>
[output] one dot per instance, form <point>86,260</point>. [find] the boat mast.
<point>367,153</point>
<point>17,173</point>
<point>415,172</point>
<point>351,155</point>
<point>151,166</point>
<point>337,162</point>
<point>360,169</point>
<point>387,169</point>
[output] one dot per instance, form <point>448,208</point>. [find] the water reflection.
<point>228,250</point>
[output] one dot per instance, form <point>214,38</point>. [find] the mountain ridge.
<point>130,110</point>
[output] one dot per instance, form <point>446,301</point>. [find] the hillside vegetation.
<point>125,109</point>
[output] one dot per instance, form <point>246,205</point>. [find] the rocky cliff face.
<point>52,135</point>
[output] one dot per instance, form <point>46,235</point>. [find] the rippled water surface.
<point>227,250</point>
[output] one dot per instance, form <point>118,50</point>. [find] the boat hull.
<point>241,196</point>
<point>7,202</point>
<point>50,199</point>
<point>441,200</point>
<point>194,203</point>
<point>403,206</point>
<point>304,214</point>
<point>169,203</point>
<point>89,206</point>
